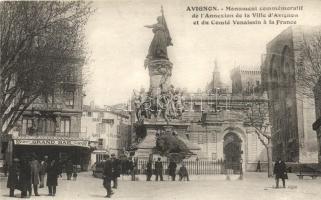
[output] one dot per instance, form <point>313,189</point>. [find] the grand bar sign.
<point>51,141</point>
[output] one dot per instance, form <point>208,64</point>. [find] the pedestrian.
<point>43,170</point>
<point>172,169</point>
<point>116,169</point>
<point>108,175</point>
<point>25,177</point>
<point>93,168</point>
<point>69,169</point>
<point>74,173</point>
<point>159,169</point>
<point>35,171</point>
<point>131,168</point>
<point>183,173</point>
<point>149,169</point>
<point>280,172</point>
<point>13,181</point>
<point>258,166</point>
<point>52,177</point>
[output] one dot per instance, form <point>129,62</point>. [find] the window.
<point>69,98</point>
<point>100,142</point>
<point>101,115</point>
<point>108,121</point>
<point>214,156</point>
<point>89,114</point>
<point>26,126</point>
<point>65,126</point>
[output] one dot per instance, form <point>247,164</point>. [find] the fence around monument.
<point>201,167</point>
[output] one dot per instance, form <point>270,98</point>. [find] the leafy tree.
<point>40,45</point>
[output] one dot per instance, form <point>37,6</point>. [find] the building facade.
<point>292,113</point>
<point>107,129</point>
<point>219,126</point>
<point>246,81</point>
<point>51,124</point>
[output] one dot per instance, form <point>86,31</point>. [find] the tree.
<point>40,43</point>
<point>258,117</point>
<point>309,62</point>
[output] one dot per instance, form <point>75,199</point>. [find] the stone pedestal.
<point>146,146</point>
<point>160,72</point>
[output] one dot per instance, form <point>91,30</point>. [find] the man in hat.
<point>159,169</point>
<point>35,171</point>
<point>108,175</point>
<point>13,182</point>
<point>172,169</point>
<point>280,172</point>
<point>116,169</point>
<point>183,172</point>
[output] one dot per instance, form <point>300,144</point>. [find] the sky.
<point>118,42</point>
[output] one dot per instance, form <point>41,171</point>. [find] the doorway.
<point>232,151</point>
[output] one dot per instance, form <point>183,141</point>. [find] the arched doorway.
<point>232,150</point>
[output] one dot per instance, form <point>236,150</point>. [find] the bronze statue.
<point>161,40</point>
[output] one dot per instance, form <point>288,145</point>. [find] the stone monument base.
<point>146,147</point>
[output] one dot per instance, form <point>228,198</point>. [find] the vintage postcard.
<point>168,99</point>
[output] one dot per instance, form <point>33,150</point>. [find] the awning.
<point>51,141</point>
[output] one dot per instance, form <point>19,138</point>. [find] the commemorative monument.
<point>160,127</point>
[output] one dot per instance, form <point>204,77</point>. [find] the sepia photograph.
<point>160,99</point>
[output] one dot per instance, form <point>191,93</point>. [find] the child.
<point>74,173</point>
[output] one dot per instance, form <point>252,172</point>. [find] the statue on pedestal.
<point>162,101</point>
<point>161,40</point>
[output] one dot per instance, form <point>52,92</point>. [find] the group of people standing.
<point>171,170</point>
<point>28,173</point>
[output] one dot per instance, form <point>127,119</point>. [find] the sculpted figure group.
<point>168,105</point>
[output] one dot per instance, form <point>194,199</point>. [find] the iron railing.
<point>201,167</point>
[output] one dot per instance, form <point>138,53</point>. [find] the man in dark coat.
<point>280,172</point>
<point>116,169</point>
<point>52,177</point>
<point>172,169</point>
<point>13,181</point>
<point>159,169</point>
<point>35,171</point>
<point>149,170</point>
<point>108,175</point>
<point>25,177</point>
<point>131,168</point>
<point>183,172</point>
<point>69,169</point>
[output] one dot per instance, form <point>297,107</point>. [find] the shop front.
<point>60,148</point>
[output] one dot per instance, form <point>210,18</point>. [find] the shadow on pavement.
<point>97,196</point>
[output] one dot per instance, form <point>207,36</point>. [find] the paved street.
<point>254,186</point>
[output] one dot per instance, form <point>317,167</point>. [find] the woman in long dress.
<point>161,40</point>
